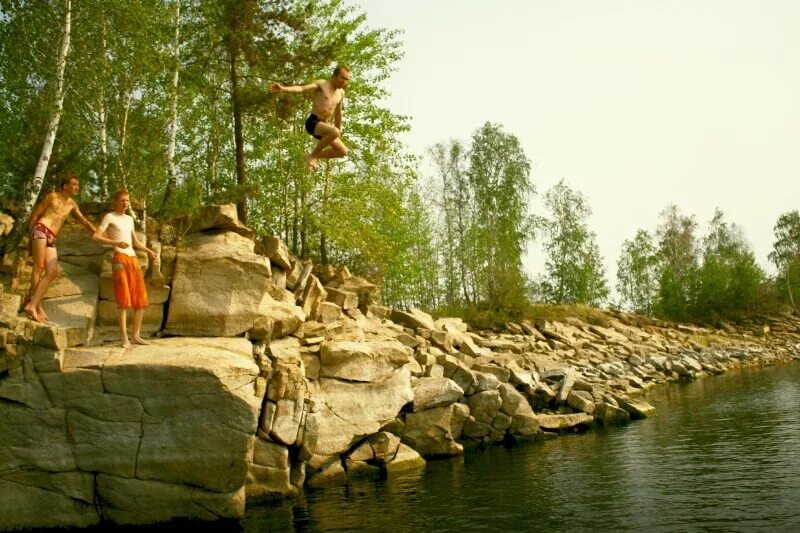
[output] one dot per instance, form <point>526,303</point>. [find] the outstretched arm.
<point>76,212</point>
<point>278,88</point>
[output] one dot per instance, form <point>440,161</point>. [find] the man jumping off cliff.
<point>327,100</point>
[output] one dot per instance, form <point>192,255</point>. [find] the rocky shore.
<point>270,375</point>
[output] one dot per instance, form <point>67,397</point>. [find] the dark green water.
<point>721,454</point>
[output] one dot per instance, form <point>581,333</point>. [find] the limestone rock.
<point>220,217</point>
<point>199,396</point>
<point>413,318</point>
<point>137,501</point>
<point>435,431</point>
<point>484,405</point>
<point>345,412</point>
<point>563,422</point>
<point>435,392</point>
<point>268,474</point>
<point>405,459</point>
<point>67,497</point>
<point>286,317</point>
<point>218,286</point>
<point>362,361</point>
<point>610,414</point>
<point>344,299</point>
<point>278,253</point>
<point>313,295</point>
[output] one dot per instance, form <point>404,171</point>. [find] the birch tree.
<point>34,187</point>
<point>574,267</point>
<point>172,178</point>
<point>785,254</point>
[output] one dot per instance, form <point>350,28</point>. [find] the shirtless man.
<point>116,229</point>
<point>43,226</point>
<point>327,100</point>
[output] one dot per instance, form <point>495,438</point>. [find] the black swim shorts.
<point>311,124</point>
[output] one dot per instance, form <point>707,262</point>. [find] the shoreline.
<point>268,375</point>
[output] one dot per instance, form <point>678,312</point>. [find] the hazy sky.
<point>637,104</point>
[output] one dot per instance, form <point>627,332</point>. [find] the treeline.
<point>674,273</point>
<point>170,99</point>
<point>483,226</point>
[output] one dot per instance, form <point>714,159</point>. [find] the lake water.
<point>720,454</point>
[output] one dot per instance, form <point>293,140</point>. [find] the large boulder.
<point>362,361</point>
<point>436,431</point>
<point>345,412</point>
<point>435,392</point>
<point>218,285</point>
<point>165,430</point>
<point>413,318</point>
<point>278,253</point>
<point>220,217</point>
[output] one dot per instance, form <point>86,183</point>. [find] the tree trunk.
<point>326,186</point>
<point>238,137</point>
<point>123,174</point>
<point>102,114</point>
<point>172,179</point>
<point>35,185</point>
<point>789,290</point>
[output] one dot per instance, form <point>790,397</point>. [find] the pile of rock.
<point>273,375</point>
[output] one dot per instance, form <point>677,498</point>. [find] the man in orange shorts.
<point>117,229</point>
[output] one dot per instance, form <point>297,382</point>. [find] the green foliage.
<point>574,267</point>
<point>729,281</point>
<point>480,196</point>
<point>785,256</point>
<point>637,282</point>
<point>677,264</point>
<point>236,142</point>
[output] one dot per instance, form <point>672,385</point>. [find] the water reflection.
<point>721,454</point>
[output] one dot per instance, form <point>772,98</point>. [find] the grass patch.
<point>559,313</point>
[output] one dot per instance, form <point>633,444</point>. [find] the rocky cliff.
<point>270,376</point>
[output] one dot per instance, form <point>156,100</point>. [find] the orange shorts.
<point>129,289</point>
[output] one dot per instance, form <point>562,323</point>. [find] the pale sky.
<point>637,104</point>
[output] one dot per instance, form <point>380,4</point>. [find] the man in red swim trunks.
<point>327,98</point>
<point>43,226</point>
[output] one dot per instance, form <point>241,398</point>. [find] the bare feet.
<point>311,163</point>
<point>41,313</point>
<point>139,340</point>
<point>127,345</point>
<point>31,312</point>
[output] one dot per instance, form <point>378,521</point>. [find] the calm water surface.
<point>720,454</point>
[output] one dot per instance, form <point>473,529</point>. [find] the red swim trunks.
<point>129,289</point>
<point>40,231</point>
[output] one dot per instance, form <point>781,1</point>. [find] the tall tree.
<point>34,187</point>
<point>453,203</point>
<point>172,177</point>
<point>785,253</point>
<point>573,265</point>
<point>637,282</point>
<point>729,281</point>
<point>677,263</point>
<point>499,177</point>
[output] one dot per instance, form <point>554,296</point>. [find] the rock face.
<point>344,412</point>
<point>218,286</point>
<point>287,375</point>
<point>171,425</point>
